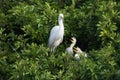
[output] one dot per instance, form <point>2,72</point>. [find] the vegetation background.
<point>24,30</point>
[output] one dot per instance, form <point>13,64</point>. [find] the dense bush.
<point>24,32</point>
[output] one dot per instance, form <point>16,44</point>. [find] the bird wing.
<point>53,35</point>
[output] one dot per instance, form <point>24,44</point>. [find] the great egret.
<point>69,50</point>
<point>78,52</point>
<point>56,34</point>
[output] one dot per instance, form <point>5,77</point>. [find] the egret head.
<point>61,16</point>
<point>77,50</point>
<point>73,40</point>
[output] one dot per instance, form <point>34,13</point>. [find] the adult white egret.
<point>56,34</point>
<point>69,50</point>
<point>78,52</point>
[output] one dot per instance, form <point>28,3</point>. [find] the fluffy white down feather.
<point>69,50</point>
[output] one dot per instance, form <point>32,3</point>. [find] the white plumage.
<point>76,56</point>
<point>69,50</point>
<point>56,34</point>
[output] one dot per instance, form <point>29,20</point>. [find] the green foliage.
<point>24,32</point>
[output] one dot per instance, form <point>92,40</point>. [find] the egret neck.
<point>60,22</point>
<point>73,44</point>
<point>61,27</point>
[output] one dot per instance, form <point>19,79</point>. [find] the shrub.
<point>24,32</point>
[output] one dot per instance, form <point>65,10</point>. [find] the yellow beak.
<point>75,49</point>
<point>71,40</point>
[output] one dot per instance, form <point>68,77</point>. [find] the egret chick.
<point>69,50</point>
<point>56,34</point>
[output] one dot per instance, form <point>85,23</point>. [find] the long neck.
<point>60,22</point>
<point>73,44</point>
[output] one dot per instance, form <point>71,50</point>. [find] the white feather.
<point>56,34</point>
<point>69,50</point>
